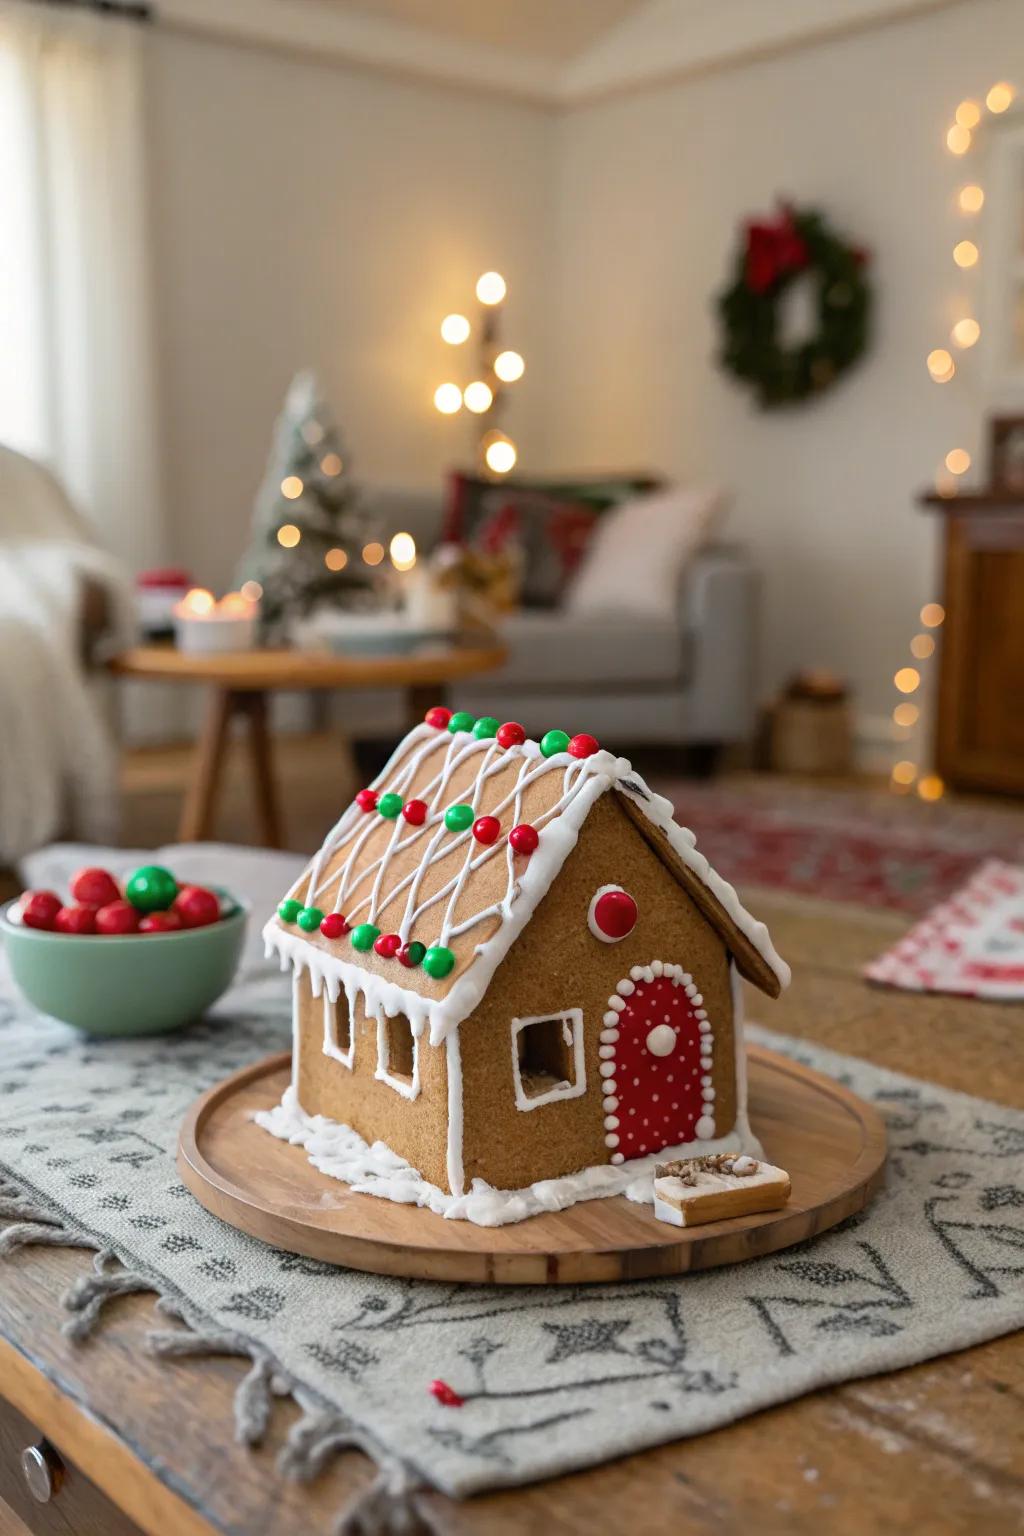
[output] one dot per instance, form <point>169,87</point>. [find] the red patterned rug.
<point>864,846</point>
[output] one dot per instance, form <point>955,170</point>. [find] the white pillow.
<point>639,551</point>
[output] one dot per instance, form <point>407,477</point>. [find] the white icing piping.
<point>456,1174</point>
<point>408,1088</point>
<point>572,1031</point>
<point>739,1047</point>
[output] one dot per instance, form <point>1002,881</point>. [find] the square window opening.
<point>338,1029</point>
<point>401,1048</point>
<point>546,1056</point>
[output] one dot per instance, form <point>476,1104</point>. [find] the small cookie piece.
<point>696,1190</point>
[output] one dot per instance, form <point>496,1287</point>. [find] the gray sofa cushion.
<point>549,650</point>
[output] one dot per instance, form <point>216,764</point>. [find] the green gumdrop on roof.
<point>462,720</point>
<point>289,910</point>
<point>364,935</point>
<point>458,817</point>
<point>309,919</point>
<point>438,961</point>
<point>554,741</point>
<point>485,727</point>
<point>389,805</point>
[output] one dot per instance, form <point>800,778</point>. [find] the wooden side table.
<point>239,683</point>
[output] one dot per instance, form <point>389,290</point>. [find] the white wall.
<point>652,188</point>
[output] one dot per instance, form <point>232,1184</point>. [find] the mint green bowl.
<point>128,984</point>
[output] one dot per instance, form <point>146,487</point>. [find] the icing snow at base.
<point>341,1152</point>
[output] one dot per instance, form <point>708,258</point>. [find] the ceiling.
<point>551,30</point>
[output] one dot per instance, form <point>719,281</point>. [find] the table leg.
<point>197,811</point>
<point>260,756</point>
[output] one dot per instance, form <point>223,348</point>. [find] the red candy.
<point>94,887</point>
<point>486,829</point>
<point>511,734</point>
<point>615,914</point>
<point>76,920</point>
<point>415,812</point>
<point>411,954</point>
<point>39,909</point>
<point>446,1394</point>
<point>583,746</point>
<point>196,906</point>
<point>334,926</point>
<point>524,838</point>
<point>160,922</point>
<point>438,717</point>
<point>388,945</point>
<point>367,799</point>
<point>117,917</point>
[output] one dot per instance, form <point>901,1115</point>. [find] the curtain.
<point>77,329</point>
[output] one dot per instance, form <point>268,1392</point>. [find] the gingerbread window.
<point>547,1058</point>
<point>338,1032</point>
<point>398,1056</point>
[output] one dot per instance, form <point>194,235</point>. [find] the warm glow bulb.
<point>968,114</point>
<point>500,455</point>
<point>932,615</point>
<point>907,679</point>
<point>478,397</point>
<point>199,600</point>
<point>288,536</point>
<point>906,714</point>
<point>455,330</point>
<point>922,647</point>
<point>958,461</point>
<point>313,433</point>
<point>330,464</point>
<point>940,365</point>
<point>999,97</point>
<point>335,559</point>
<point>958,140</point>
<point>904,773</point>
<point>373,553</point>
<point>291,487</point>
<point>402,550</point>
<point>971,198</point>
<point>965,253</point>
<point>509,366</point>
<point>251,591</point>
<point>490,288</point>
<point>448,399</point>
<point>931,787</point>
<point>966,332</point>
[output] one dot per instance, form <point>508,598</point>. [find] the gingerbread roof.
<point>409,864</point>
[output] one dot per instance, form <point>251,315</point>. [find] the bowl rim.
<point>240,914</point>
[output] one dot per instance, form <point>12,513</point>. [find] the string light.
<point>198,600</point>
<point>478,397</point>
<point>907,679</point>
<point>455,330</point>
<point>490,288</point>
<point>251,591</point>
<point>313,433</point>
<point>966,332</point>
<point>931,787</point>
<point>968,114</point>
<point>1000,97</point>
<point>965,253</point>
<point>922,647</point>
<point>971,198</point>
<point>509,366</point>
<point>336,559</point>
<point>932,615</point>
<point>946,485</point>
<point>958,461</point>
<point>402,550</point>
<point>941,365</point>
<point>500,455</point>
<point>448,399</point>
<point>906,714</point>
<point>904,772</point>
<point>331,464</point>
<point>373,553</point>
<point>958,140</point>
<point>288,535</point>
<point>291,487</point>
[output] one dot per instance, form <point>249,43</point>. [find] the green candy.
<point>151,888</point>
<point>486,727</point>
<point>462,720</point>
<point>438,961</point>
<point>364,935</point>
<point>553,742</point>
<point>389,806</point>
<point>415,951</point>
<point>289,910</point>
<point>309,919</point>
<point>458,817</point>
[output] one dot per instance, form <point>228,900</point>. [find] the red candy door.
<point>657,1053</point>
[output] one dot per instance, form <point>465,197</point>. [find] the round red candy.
<point>486,829</point>
<point>94,887</point>
<point>583,746</point>
<point>196,906</point>
<point>117,917</point>
<point>446,1395</point>
<point>615,914</point>
<point>76,920</point>
<point>334,926</point>
<point>438,717</point>
<point>39,909</point>
<point>415,812</point>
<point>388,945</point>
<point>511,734</point>
<point>524,838</point>
<point>366,799</point>
<point>161,922</point>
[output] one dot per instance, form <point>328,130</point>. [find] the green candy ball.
<point>554,741</point>
<point>462,720</point>
<point>438,961</point>
<point>415,951</point>
<point>389,806</point>
<point>289,910</point>
<point>486,727</point>
<point>458,817</point>
<point>309,919</point>
<point>364,935</point>
<point>151,888</point>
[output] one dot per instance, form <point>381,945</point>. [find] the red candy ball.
<point>196,906</point>
<point>438,717</point>
<point>583,746</point>
<point>486,829</point>
<point>117,917</point>
<point>76,920</point>
<point>511,734</point>
<point>388,945</point>
<point>94,887</point>
<point>446,1395</point>
<point>524,838</point>
<point>39,909</point>
<point>334,926</point>
<point>615,914</point>
<point>415,812</point>
<point>160,922</point>
<point>366,799</point>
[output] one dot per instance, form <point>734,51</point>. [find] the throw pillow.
<point>639,552</point>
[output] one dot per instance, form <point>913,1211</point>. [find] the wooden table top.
<point>936,1448</point>
<point>271,668</point>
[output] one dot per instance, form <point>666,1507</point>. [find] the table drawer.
<point>75,1504</point>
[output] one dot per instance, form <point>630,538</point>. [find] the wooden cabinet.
<point>980,729</point>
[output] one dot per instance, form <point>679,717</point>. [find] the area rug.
<point>551,1379</point>
<point>855,845</point>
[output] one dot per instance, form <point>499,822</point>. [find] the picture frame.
<point>1006,454</point>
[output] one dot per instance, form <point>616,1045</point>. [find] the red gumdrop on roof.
<point>334,926</point>
<point>583,746</point>
<point>366,799</point>
<point>486,829</point>
<point>415,812</point>
<point>524,838</point>
<point>438,717</point>
<point>446,1394</point>
<point>388,945</point>
<point>511,734</point>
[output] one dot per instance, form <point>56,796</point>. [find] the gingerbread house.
<point>513,969</point>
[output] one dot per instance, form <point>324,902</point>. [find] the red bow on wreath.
<point>773,250</point>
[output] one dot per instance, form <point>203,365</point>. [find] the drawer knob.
<point>42,1469</point>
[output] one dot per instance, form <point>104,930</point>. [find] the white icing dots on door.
<point>661,1040</point>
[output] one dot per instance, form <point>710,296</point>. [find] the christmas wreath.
<point>773,255</point>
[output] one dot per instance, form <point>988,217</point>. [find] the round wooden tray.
<point>831,1143</point>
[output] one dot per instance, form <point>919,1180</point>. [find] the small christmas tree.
<point>307,528</point>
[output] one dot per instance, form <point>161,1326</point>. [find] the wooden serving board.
<point>831,1143</point>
